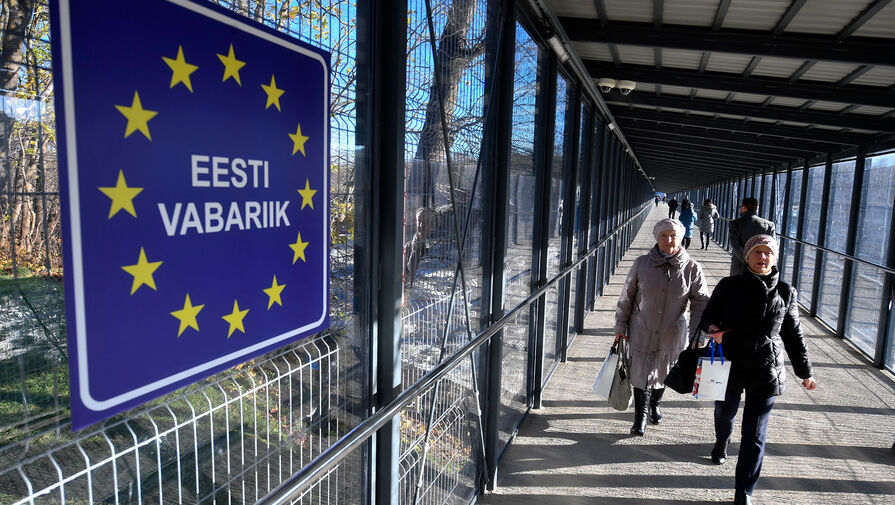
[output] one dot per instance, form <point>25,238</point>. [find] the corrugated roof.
<point>797,79</point>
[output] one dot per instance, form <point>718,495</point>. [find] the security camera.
<point>625,87</point>
<point>606,84</point>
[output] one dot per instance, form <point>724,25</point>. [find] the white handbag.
<point>603,382</point>
<point>712,375</point>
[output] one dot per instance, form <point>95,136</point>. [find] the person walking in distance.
<point>687,218</point>
<point>707,216</point>
<point>748,225</point>
<point>672,207</point>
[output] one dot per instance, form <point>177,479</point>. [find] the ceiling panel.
<point>755,14</point>
<point>826,17</point>
<point>782,101</point>
<point>592,51</point>
<point>881,25</point>
<point>680,58</point>
<point>689,12</point>
<point>575,8</point>
<point>630,10</point>
<point>873,111</point>
<point>829,71</point>
<point>776,67</point>
<point>711,93</point>
<point>729,63</point>
<point>878,76</point>
<point>638,55</point>
<point>749,98</point>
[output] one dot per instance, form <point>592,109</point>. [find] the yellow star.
<point>122,196</point>
<point>187,315</point>
<point>273,94</point>
<point>299,248</point>
<point>142,271</point>
<point>235,319</point>
<point>231,66</point>
<point>307,195</point>
<point>298,141</point>
<point>137,117</point>
<point>180,70</point>
<point>273,292</point>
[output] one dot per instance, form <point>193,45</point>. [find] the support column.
<point>380,137</point>
<point>848,272</point>
<point>822,236</point>
<point>499,63</point>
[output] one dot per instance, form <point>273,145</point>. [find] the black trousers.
<point>686,242</point>
<point>756,413</point>
<point>671,213</point>
<point>704,239</point>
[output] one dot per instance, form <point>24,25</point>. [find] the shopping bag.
<point>603,382</point>
<point>712,374</point>
<point>681,376</point>
<point>620,393</point>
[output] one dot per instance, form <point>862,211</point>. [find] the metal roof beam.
<point>797,146</point>
<point>802,46</point>
<point>731,125</point>
<point>721,165</point>
<point>863,95</point>
<point>788,16</point>
<point>638,142</point>
<point>862,18</point>
<point>748,110</point>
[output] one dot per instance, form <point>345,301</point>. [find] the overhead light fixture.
<point>611,126</point>
<point>558,48</point>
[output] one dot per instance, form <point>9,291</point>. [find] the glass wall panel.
<point>580,217</point>
<point>789,247</point>
<point>874,225</point>
<point>767,197</point>
<point>433,310</point>
<point>518,268</point>
<point>838,211</point>
<point>779,196</point>
<point>554,241</point>
<point>813,202</point>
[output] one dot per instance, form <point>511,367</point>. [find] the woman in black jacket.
<point>756,316</point>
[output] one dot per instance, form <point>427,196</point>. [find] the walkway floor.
<point>828,446</point>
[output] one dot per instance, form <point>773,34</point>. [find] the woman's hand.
<point>618,336</point>
<point>716,333</point>
<point>810,384</point>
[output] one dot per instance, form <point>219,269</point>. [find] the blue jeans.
<point>756,413</point>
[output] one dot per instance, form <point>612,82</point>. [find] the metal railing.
<point>295,486</point>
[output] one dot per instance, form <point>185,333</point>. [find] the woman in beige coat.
<point>652,316</point>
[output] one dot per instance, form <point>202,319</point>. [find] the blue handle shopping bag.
<point>712,375</point>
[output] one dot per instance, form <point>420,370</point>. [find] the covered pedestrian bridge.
<point>493,166</point>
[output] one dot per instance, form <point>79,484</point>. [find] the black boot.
<point>742,499</point>
<point>641,398</point>
<point>719,452</point>
<point>655,415</point>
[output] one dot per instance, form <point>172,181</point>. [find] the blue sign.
<point>194,160</point>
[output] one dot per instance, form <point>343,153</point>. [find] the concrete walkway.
<point>829,446</point>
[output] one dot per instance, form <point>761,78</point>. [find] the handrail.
<point>844,255</point>
<point>831,251</point>
<point>296,484</point>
